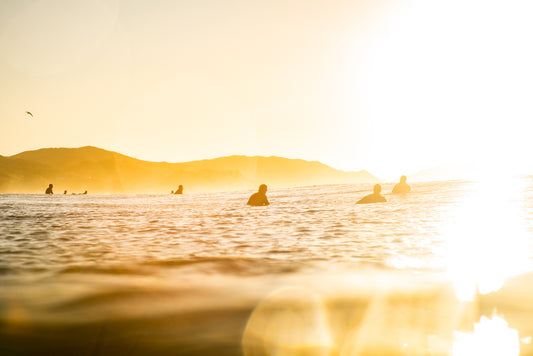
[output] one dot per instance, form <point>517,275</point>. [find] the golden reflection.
<point>394,316</point>
<point>290,321</point>
<point>487,242</point>
<point>16,315</point>
<point>490,337</point>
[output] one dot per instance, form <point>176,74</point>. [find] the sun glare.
<point>486,240</point>
<point>491,337</point>
<point>449,82</point>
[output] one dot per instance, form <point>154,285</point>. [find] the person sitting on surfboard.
<point>259,198</point>
<point>49,189</point>
<point>401,187</point>
<point>180,190</point>
<point>375,197</point>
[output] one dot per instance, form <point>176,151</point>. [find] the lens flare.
<point>290,321</point>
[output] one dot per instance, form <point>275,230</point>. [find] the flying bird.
<point>29,113</point>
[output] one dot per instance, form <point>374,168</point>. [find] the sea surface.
<point>311,274</point>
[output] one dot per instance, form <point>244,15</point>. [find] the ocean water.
<point>311,274</point>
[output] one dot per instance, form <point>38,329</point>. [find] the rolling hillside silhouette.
<point>101,171</point>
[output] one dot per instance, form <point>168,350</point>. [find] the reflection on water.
<point>375,321</point>
<point>486,244</point>
<point>491,337</point>
<point>487,240</point>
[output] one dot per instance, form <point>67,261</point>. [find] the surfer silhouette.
<point>49,189</point>
<point>401,187</point>
<point>375,197</point>
<point>259,198</point>
<point>180,190</point>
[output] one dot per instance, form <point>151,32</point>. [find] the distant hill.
<point>101,171</point>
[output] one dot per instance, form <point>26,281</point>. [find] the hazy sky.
<point>389,86</point>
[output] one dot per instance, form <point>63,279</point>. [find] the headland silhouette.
<point>102,172</point>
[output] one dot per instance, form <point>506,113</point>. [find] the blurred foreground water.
<point>444,270</point>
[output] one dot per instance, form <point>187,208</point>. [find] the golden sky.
<point>389,86</point>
